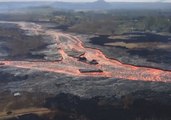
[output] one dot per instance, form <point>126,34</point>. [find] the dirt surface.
<point>15,113</point>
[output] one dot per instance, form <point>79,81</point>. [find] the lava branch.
<point>101,67</point>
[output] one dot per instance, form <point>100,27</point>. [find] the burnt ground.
<point>16,45</point>
<point>99,108</point>
<point>85,98</point>
<point>76,98</point>
<point>141,49</point>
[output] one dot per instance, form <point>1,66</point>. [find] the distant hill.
<point>100,4</point>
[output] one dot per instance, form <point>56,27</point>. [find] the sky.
<point>94,0</point>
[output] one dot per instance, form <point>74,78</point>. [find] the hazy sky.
<point>95,0</point>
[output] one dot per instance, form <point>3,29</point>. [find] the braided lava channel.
<point>71,65</point>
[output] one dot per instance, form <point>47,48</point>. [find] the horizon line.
<point>88,1</point>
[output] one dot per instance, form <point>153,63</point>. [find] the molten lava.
<point>71,65</point>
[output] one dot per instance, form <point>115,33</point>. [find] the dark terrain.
<point>149,49</point>
<point>82,98</point>
<point>146,43</point>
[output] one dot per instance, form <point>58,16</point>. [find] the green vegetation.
<point>100,22</point>
<point>113,22</point>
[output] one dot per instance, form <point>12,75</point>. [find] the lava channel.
<point>70,65</point>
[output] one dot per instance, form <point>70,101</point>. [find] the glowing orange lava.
<point>70,65</point>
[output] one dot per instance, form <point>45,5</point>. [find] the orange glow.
<point>70,65</point>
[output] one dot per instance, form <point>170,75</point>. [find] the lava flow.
<point>103,66</point>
